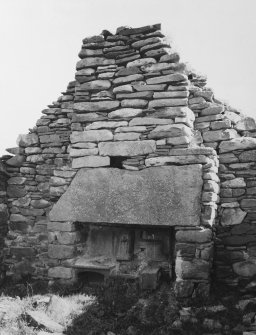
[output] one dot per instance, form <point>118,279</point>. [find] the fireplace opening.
<point>133,253</point>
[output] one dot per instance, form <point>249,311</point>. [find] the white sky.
<point>40,40</point>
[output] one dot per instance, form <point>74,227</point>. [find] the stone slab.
<point>127,148</point>
<point>166,196</point>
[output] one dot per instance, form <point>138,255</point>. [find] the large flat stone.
<point>127,148</point>
<point>91,136</point>
<point>240,143</point>
<point>93,61</point>
<point>95,106</point>
<point>95,85</point>
<point>155,196</point>
<point>90,161</point>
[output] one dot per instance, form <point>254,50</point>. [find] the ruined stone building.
<point>137,171</point>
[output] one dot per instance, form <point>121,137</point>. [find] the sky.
<point>40,41</point>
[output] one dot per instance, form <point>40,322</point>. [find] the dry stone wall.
<point>133,105</point>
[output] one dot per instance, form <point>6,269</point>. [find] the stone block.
<point>94,85</point>
<point>234,183</point>
<point>134,103</point>
<point>61,251</point>
<point>180,160</point>
<point>91,136</point>
<point>16,191</point>
<point>194,236</point>
<point>125,113</point>
<point>41,203</point>
<point>194,269</point>
<point>90,161</point>
<point>183,288</point>
<point>128,79</point>
<point>83,152</point>
<point>246,124</point>
<point>60,272</point>
<point>147,121</point>
<point>16,161</point>
<point>96,106</point>
<point>219,135</point>
<point>61,226</point>
<point>27,140</point>
<point>173,130</point>
<point>232,216</point>
<point>127,148</point>
<point>241,143</point>
<point>158,103</point>
<point>170,78</point>
<point>93,62</point>
<point>245,269</point>
<point>106,125</point>
<point>127,136</point>
<point>248,156</point>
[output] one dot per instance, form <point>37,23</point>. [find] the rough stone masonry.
<point>136,156</point>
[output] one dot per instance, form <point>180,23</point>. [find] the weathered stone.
<point>90,161</point>
<point>170,58</point>
<point>170,78</point>
<point>232,216</point>
<point>95,106</point>
<point>194,236</point>
<point>246,268</point>
<point>16,160</point>
<point>143,87</point>
<point>90,53</point>
<point>151,196</point>
<point>123,89</point>
<point>228,158</point>
<point>134,31</point>
<point>18,218</point>
<point>60,251</point>
<point>156,103</point>
<point>241,143</point>
<point>165,160</point>
<point>91,136</point>
<point>247,203</point>
<point>41,320</point>
<point>147,121</point>
<point>135,129</point>
<point>125,113</point>
<point>194,269</point>
<point>179,140</point>
<point>35,158</point>
<point>83,152</point>
<point>16,180</point>
<point>64,173</point>
<point>93,61</point>
<point>219,135</point>
<point>126,136</point>
<point>135,95</point>
<point>42,203</point>
<point>16,191</point>
<point>127,148</point>
<point>61,226</point>
<point>234,183</point>
<point>27,140</point>
<point>134,103</point>
<point>212,110</point>
<point>216,125</point>
<point>141,62</point>
<point>88,117</point>
<point>247,123</point>
<point>127,79</point>
<point>33,150</point>
<point>248,156</point>
<point>183,288</point>
<point>106,125</point>
<point>171,94</point>
<point>95,85</point>
<point>172,130</point>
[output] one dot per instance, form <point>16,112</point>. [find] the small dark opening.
<point>116,161</point>
<point>90,277</point>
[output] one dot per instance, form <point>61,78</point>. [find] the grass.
<point>60,309</point>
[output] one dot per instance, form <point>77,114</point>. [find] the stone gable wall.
<point>133,105</point>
